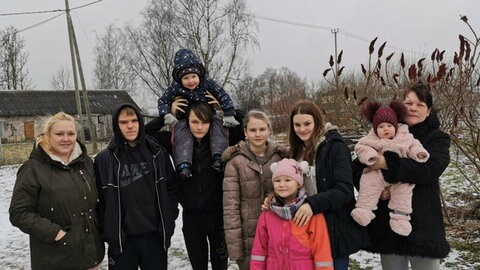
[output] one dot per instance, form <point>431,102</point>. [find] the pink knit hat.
<point>287,167</point>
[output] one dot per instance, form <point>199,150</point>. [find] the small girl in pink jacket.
<point>279,243</point>
<point>386,135</point>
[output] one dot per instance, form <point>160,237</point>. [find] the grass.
<point>17,153</point>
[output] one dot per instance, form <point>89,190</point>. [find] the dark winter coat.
<point>335,198</point>
<point>49,196</point>
<point>202,193</point>
<point>246,183</point>
<point>427,238</point>
<point>185,58</point>
<point>107,166</point>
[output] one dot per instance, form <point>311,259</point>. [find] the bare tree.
<point>455,84</point>
<point>61,80</point>
<point>112,70</point>
<point>218,31</point>
<point>13,60</point>
<point>275,90</point>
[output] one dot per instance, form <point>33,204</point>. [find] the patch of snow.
<point>15,253</point>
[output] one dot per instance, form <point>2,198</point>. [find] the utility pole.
<point>334,32</point>
<point>74,73</point>
<point>73,40</point>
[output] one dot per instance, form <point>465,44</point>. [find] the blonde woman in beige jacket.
<point>247,181</point>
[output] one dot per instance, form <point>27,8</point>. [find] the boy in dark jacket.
<point>137,189</point>
<point>192,84</point>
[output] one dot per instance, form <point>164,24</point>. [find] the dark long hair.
<point>296,144</point>
<point>202,110</point>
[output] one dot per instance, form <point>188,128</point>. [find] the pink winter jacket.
<point>404,144</point>
<point>280,245</point>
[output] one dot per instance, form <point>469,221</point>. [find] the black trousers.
<point>145,251</point>
<point>204,233</point>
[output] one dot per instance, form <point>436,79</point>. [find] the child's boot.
<point>184,171</point>
<point>400,223</point>
<point>362,216</point>
<point>218,163</point>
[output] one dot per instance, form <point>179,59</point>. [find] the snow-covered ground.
<point>14,248</point>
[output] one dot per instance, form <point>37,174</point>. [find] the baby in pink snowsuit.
<point>386,135</point>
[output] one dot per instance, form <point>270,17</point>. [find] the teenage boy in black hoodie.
<point>137,190</point>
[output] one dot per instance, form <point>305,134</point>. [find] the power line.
<point>31,12</point>
<point>47,11</point>
<point>39,23</point>
<point>86,5</point>
<point>341,32</point>
<point>293,23</point>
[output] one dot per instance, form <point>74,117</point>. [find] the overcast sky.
<point>296,34</point>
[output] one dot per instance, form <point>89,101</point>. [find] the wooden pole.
<point>335,31</point>
<point>86,102</point>
<point>75,79</point>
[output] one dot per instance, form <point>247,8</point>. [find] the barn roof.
<point>39,102</point>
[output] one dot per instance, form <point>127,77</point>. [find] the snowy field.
<point>14,249</point>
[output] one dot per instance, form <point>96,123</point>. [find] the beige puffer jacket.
<point>245,185</point>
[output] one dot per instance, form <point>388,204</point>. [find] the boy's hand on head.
<point>213,101</point>
<point>170,119</point>
<point>179,105</point>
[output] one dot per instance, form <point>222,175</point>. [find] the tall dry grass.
<point>17,153</point>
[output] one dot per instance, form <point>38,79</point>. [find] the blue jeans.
<point>340,263</point>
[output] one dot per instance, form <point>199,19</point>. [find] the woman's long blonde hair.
<point>43,139</point>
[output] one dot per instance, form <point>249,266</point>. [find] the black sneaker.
<point>218,165</point>
<point>185,173</point>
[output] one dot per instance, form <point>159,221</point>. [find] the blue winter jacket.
<point>185,58</point>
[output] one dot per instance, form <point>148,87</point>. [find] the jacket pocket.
<point>69,252</point>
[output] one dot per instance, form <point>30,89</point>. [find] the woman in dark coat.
<point>54,200</point>
<point>427,244</point>
<point>322,146</point>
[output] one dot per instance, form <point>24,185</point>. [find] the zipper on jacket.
<point>158,202</point>
<point>85,180</point>
<point>119,205</point>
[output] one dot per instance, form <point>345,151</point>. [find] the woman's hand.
<point>179,105</point>
<point>303,215</point>
<point>267,201</point>
<point>380,164</point>
<point>213,101</point>
<point>60,235</point>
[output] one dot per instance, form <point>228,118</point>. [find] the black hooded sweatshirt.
<point>137,187</point>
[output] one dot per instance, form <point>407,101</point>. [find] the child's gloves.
<point>230,121</point>
<point>170,119</point>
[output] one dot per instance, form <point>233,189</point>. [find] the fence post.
<point>1,146</point>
